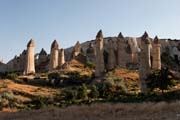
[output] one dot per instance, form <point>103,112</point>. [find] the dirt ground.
<point>104,111</point>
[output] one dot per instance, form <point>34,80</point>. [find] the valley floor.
<point>103,111</point>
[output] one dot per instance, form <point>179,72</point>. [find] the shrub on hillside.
<point>104,90</point>
<point>8,99</point>
<point>160,79</point>
<point>12,76</point>
<point>90,64</point>
<point>94,92</point>
<point>83,92</point>
<point>71,94</point>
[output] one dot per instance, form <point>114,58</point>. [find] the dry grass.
<point>107,111</point>
<point>25,92</point>
<point>125,74</point>
<point>130,78</point>
<point>28,89</point>
<point>79,67</point>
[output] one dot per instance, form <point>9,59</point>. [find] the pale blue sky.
<point>72,20</point>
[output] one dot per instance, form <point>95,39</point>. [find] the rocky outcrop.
<point>30,61</point>
<point>99,54</point>
<point>145,63</point>
<point>156,54</point>
<point>54,56</point>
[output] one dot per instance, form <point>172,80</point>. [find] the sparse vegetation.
<point>11,76</point>
<point>94,92</point>
<point>160,79</point>
<point>90,64</point>
<point>76,88</point>
<point>8,99</point>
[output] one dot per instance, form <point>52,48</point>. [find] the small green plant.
<point>104,90</point>
<point>94,92</point>
<point>90,64</point>
<point>83,92</point>
<point>12,76</point>
<point>71,94</point>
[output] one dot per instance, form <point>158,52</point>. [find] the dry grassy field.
<point>104,111</point>
<point>26,92</point>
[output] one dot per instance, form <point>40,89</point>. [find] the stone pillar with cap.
<point>145,62</point>
<point>30,62</point>
<point>111,56</point>
<point>61,57</point>
<point>54,56</point>
<point>156,54</point>
<point>99,54</point>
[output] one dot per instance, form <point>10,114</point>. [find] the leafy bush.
<point>94,92</point>
<point>159,79</point>
<point>117,83</point>
<point>55,78</point>
<point>54,75</point>
<point>71,94</point>
<point>12,76</point>
<point>75,78</point>
<point>83,92</point>
<point>90,64</point>
<point>104,90</point>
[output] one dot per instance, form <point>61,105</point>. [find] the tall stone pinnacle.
<point>54,56</point>
<point>31,43</point>
<point>120,35</point>
<point>43,52</point>
<point>30,65</point>
<point>99,34</point>
<point>99,54</point>
<point>145,35</point>
<point>156,40</point>
<point>55,45</point>
<point>145,38</point>
<point>156,54</point>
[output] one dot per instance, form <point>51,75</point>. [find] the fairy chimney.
<point>30,64</point>
<point>145,63</point>
<point>121,59</point>
<point>61,57</point>
<point>156,54</point>
<point>54,56</point>
<point>99,54</point>
<point>77,49</point>
<point>111,56</point>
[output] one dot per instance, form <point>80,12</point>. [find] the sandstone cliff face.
<point>130,54</point>
<point>132,46</point>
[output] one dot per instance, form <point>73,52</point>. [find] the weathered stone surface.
<point>156,54</point>
<point>42,56</point>
<point>30,63</point>
<point>121,45</point>
<point>90,53</point>
<point>54,56</point>
<point>61,57</point>
<point>126,52</point>
<point>99,55</point>
<point>111,56</point>
<point>145,63</point>
<point>77,49</point>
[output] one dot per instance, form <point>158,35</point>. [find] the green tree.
<point>160,79</point>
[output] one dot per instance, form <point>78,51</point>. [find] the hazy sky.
<point>72,20</point>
